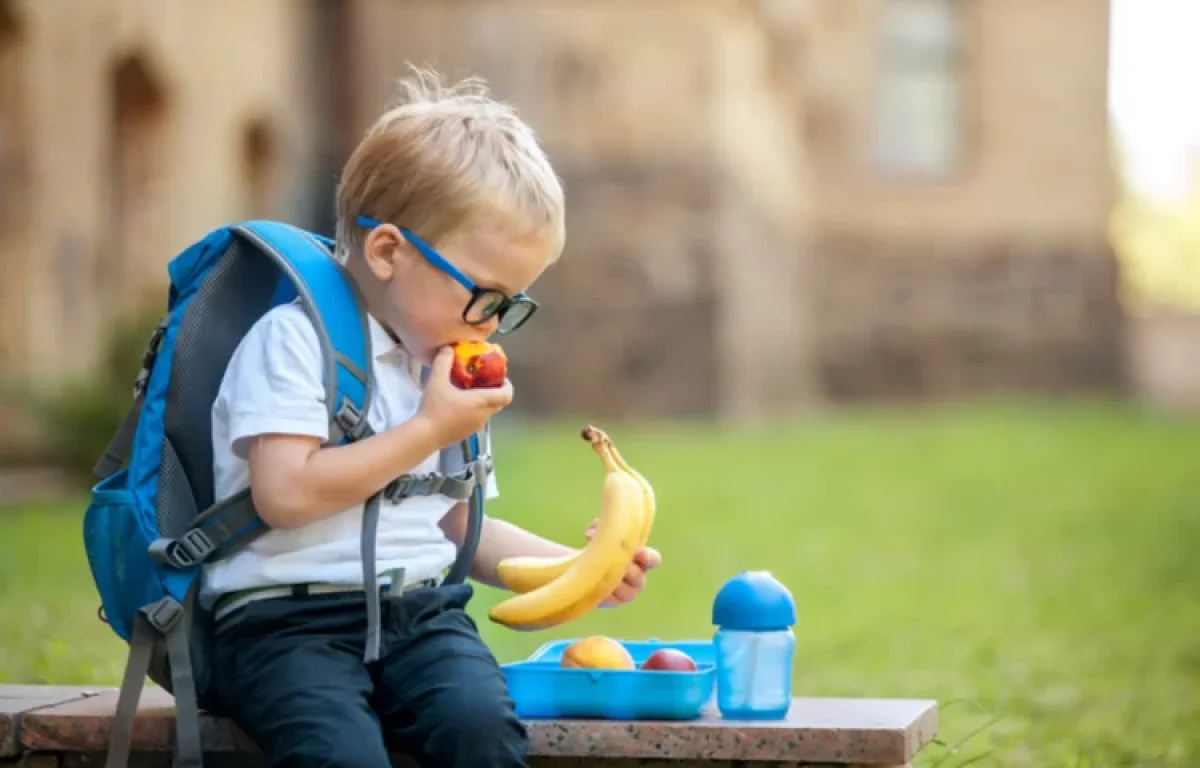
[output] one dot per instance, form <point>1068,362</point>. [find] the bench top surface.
<point>18,699</point>
<point>829,730</point>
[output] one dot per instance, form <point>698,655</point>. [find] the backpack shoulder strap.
<point>335,308</point>
<point>337,312</point>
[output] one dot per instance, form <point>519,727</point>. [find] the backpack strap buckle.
<point>189,549</point>
<point>197,544</point>
<point>412,485</point>
<point>150,355</point>
<point>457,486</point>
<point>164,614</point>
<point>349,420</point>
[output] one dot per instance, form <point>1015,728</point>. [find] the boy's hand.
<point>644,560</point>
<point>455,413</point>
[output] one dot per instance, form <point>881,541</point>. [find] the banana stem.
<point>602,445</point>
<point>594,433</point>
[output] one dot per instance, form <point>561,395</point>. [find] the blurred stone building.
<point>961,161</point>
<point>771,203</point>
<point>776,202</point>
<point>127,129</point>
<point>678,140</point>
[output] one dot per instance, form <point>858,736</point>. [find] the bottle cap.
<point>754,601</point>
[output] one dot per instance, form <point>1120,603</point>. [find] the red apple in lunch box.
<point>478,364</point>
<point>670,660</point>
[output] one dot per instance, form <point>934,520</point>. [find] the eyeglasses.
<point>485,303</point>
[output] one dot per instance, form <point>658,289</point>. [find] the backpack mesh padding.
<point>175,505</point>
<point>238,290</point>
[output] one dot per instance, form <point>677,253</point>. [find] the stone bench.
<point>66,727</point>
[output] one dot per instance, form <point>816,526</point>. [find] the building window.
<point>919,108</point>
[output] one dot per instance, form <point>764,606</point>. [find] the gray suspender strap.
<point>370,526</point>
<point>136,668</point>
<point>471,484</point>
<point>468,483</point>
<point>466,555</point>
<point>188,750</point>
<point>164,619</point>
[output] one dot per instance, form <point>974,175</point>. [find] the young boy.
<point>448,210</point>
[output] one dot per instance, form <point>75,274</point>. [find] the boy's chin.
<point>417,347</point>
<point>423,353</point>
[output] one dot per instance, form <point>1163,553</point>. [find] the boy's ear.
<point>381,249</point>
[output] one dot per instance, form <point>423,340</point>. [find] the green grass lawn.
<point>1035,569</point>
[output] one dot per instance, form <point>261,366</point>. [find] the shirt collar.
<point>386,349</point>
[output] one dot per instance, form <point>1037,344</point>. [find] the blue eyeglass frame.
<point>439,262</point>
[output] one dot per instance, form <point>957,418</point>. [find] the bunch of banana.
<point>554,590</point>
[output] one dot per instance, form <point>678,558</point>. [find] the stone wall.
<point>925,322</point>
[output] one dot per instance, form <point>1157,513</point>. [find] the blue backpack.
<point>152,522</point>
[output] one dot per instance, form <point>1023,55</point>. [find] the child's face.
<point>424,303</point>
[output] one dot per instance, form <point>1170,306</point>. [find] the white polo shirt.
<point>273,384</point>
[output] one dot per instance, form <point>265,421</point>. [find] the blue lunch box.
<point>542,689</point>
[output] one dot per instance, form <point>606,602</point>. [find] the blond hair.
<point>439,155</point>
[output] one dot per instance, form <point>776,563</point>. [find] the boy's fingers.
<point>498,397</point>
<point>635,577</point>
<point>623,594</point>
<point>442,362</point>
<point>647,558</point>
<point>632,584</point>
<point>489,397</point>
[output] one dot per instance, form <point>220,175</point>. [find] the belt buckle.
<point>395,586</point>
<point>411,586</point>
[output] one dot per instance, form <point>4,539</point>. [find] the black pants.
<point>289,671</point>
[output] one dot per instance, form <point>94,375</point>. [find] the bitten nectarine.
<point>670,660</point>
<point>478,364</point>
<point>596,652</point>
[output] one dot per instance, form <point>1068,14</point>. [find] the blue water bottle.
<point>754,643</point>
